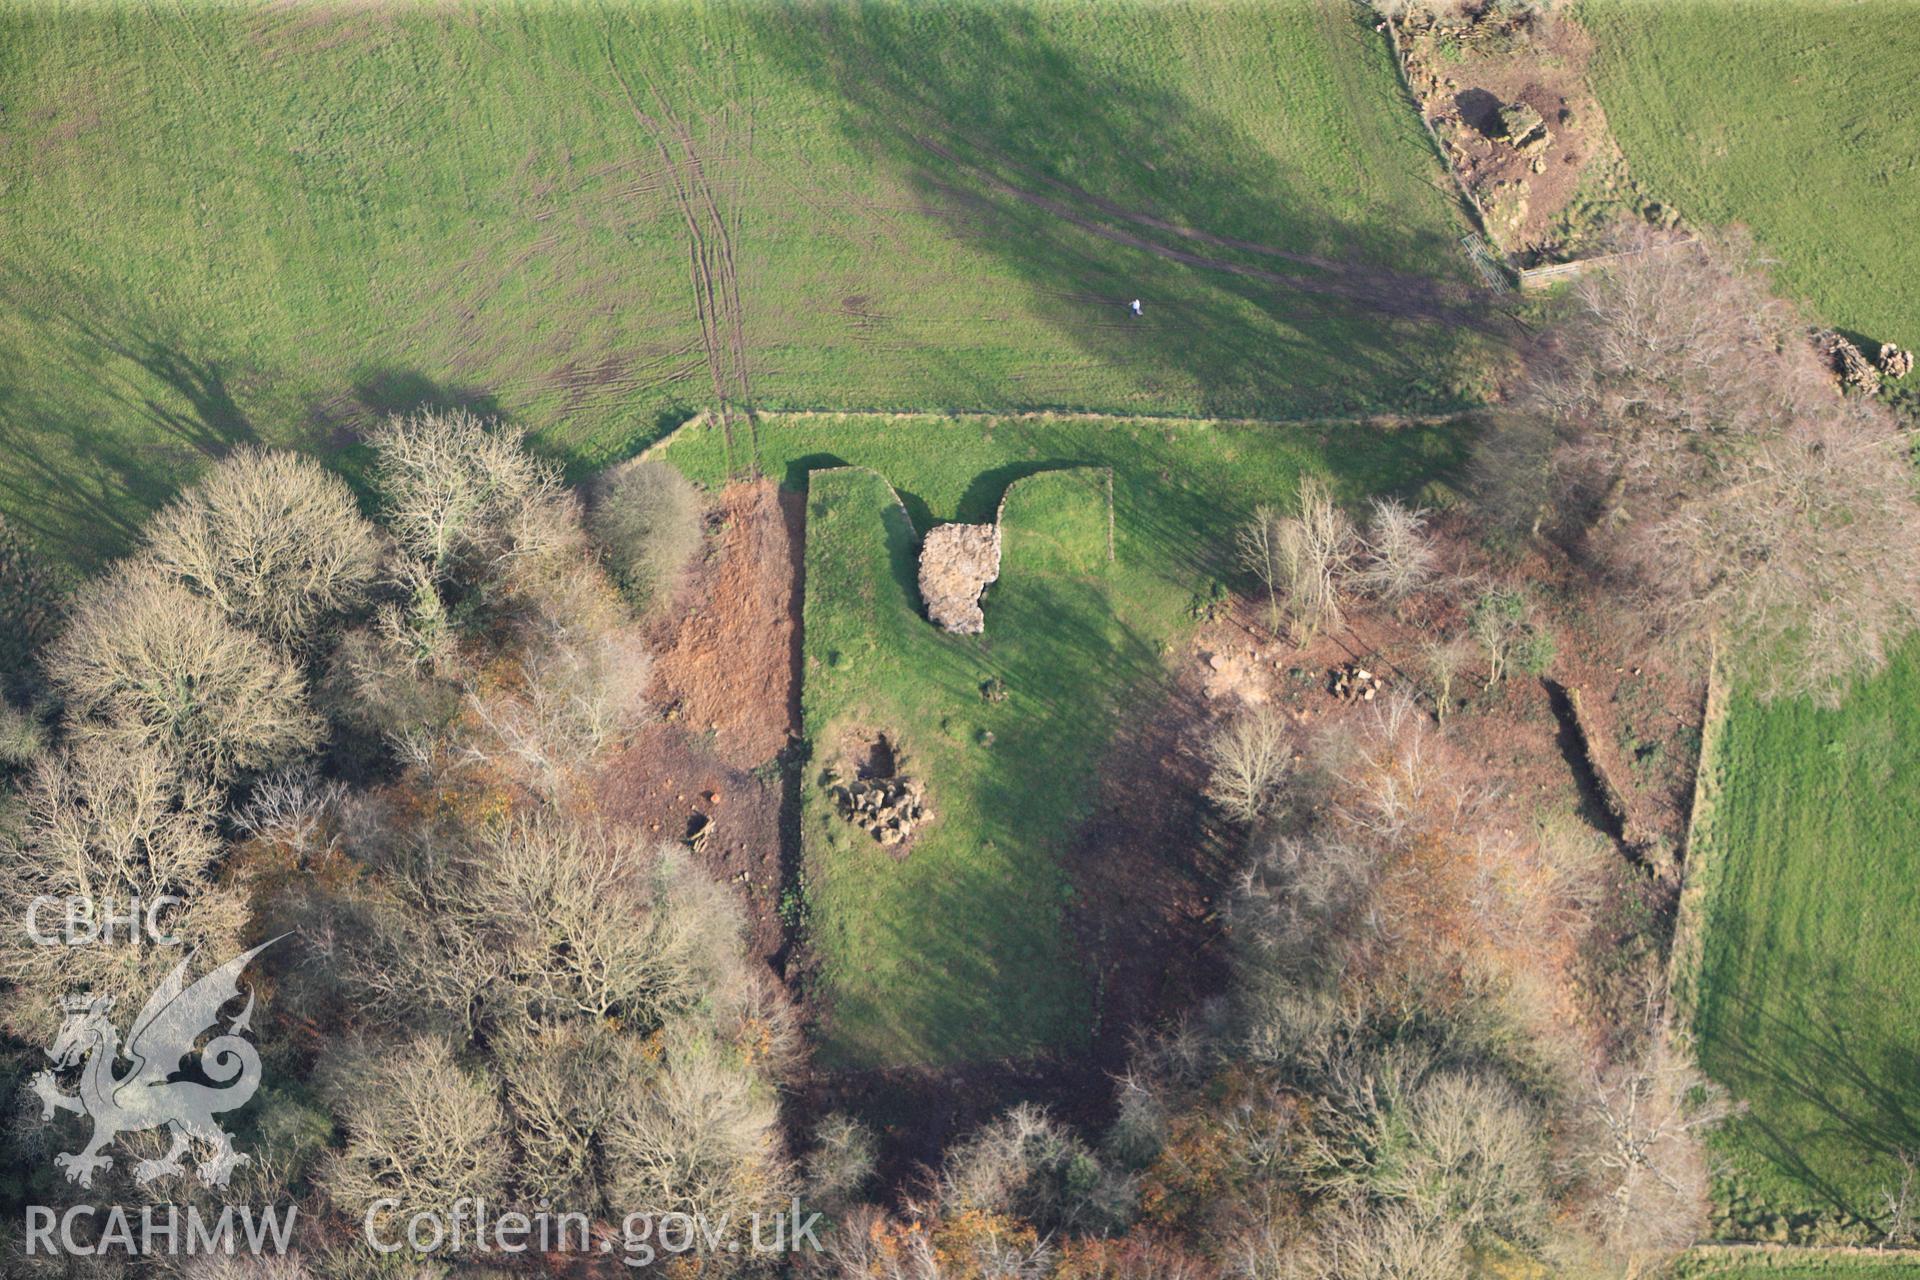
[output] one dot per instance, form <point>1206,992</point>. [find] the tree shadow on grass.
<point>1829,1068</point>
<point>82,478</point>
<point>1095,192</point>
<point>378,392</point>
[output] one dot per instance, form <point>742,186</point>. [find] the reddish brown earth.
<point>729,663</point>
<point>1640,709</point>
<point>726,681</point>
<point>1151,863</point>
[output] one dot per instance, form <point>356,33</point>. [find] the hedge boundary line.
<point>773,417</point>
<point>1697,862</point>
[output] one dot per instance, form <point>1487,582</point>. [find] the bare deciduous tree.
<point>1703,462</point>
<point>597,986</point>
<point>1354,1241</point>
<point>1445,660</point>
<point>870,1247</point>
<point>1640,1151</point>
<point>22,736</point>
<point>698,1135</point>
<point>1257,542</point>
<point>566,1085</point>
<point>646,519</point>
<point>1316,551</point>
<point>1304,560</point>
<point>119,827</point>
<point>841,1163</point>
<point>273,540</point>
<point>1502,621</point>
<point>241,1266</point>
<point>1247,758</point>
<point>1399,558</point>
<point>293,809</point>
<point>146,662</point>
<point>1029,1165</point>
<point>581,680</point>
<point>420,1130</point>
<point>459,489</point>
<point>543,918</point>
<point>1449,1145</point>
<point>1898,1217</point>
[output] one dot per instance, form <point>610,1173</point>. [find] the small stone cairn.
<point>1354,683</point>
<point>1849,366</point>
<point>1895,362</point>
<point>888,809</point>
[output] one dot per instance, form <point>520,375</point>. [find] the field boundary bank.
<point>1684,961</point>
<point>1378,421</point>
<point>1419,112</point>
<point>1105,474</point>
<point>1721,1254</point>
<point>1549,275</point>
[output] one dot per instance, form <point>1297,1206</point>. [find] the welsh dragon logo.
<point>146,1095</point>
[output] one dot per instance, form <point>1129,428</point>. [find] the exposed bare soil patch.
<point>729,663</point>
<point>726,678</point>
<point>1639,711</point>
<point>1468,73</point>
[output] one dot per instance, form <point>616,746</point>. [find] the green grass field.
<point>1774,114</point>
<point>957,952</point>
<point>221,223</point>
<point>1809,999</point>
<point>1781,115</point>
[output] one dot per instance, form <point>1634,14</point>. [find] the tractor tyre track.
<point>716,306</point>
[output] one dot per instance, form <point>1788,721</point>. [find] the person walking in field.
<point>1134,307</point>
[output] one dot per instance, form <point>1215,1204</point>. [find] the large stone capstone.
<point>957,561</point>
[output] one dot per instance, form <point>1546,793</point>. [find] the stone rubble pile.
<point>1895,362</point>
<point>1355,681</point>
<point>888,809</point>
<point>1850,366</point>
<point>1524,130</point>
